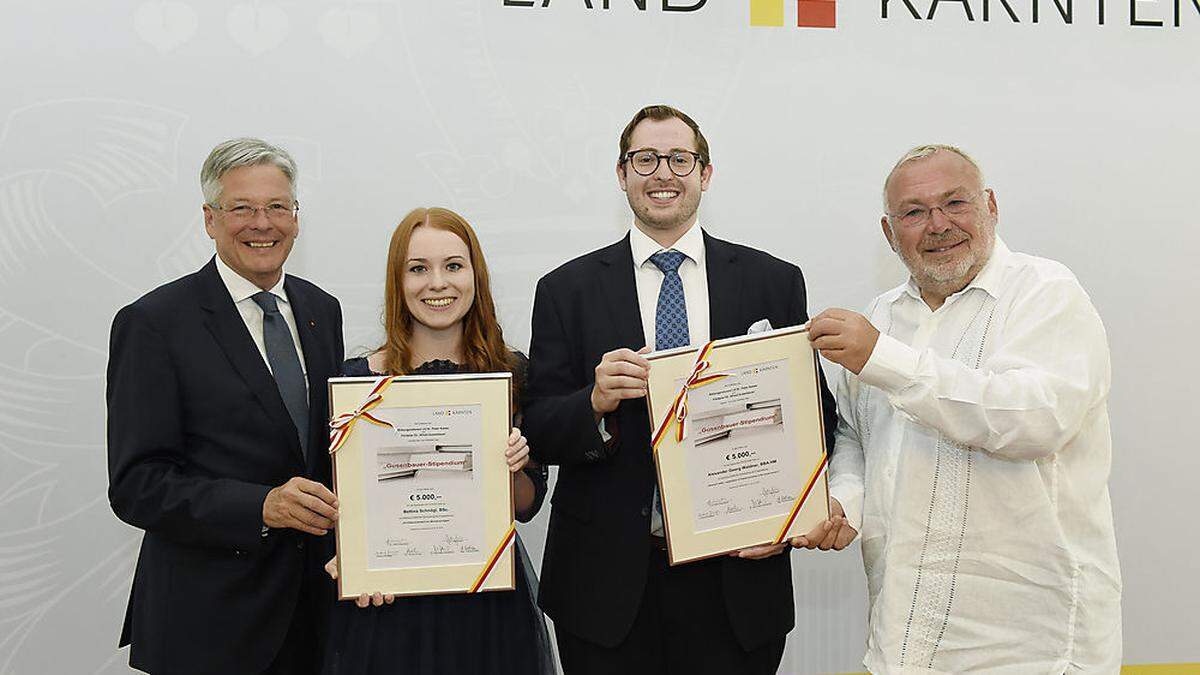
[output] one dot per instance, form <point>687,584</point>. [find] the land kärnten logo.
<point>823,13</point>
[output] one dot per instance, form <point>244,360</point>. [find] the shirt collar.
<point>690,244</point>
<point>240,287</point>
<point>989,279</point>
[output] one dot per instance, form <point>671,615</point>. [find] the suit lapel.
<point>620,291</point>
<point>229,331</point>
<point>724,289</point>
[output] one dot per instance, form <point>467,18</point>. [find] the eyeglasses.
<point>954,207</point>
<point>645,162</point>
<point>278,213</point>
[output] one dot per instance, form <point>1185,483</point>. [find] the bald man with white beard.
<point>973,447</point>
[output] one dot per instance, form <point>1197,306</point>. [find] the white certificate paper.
<point>424,487</point>
<point>742,461</point>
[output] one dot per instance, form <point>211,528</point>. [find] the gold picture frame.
<point>739,442</point>
<point>425,500</point>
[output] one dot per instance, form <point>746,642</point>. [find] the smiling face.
<point>664,205</point>
<point>439,282</point>
<point>255,249</point>
<point>946,252</point>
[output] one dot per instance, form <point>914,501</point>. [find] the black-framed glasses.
<point>278,213</point>
<point>645,162</point>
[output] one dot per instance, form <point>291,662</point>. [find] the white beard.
<point>954,275</point>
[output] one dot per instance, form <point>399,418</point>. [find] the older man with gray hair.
<point>217,438</point>
<point>973,444</point>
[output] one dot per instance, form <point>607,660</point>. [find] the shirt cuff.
<point>892,366</point>
<point>851,499</point>
<point>604,435</point>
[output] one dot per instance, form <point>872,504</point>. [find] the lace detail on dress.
<point>437,367</point>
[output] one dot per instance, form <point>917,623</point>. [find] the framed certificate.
<point>424,492</point>
<point>738,442</point>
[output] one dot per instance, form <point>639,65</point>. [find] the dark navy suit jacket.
<point>197,436</point>
<point>597,548</point>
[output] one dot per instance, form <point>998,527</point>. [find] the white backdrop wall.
<point>510,115</point>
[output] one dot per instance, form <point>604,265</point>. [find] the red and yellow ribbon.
<point>812,480</point>
<point>677,413</point>
<point>493,559</point>
<point>341,426</point>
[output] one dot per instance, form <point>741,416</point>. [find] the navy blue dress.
<point>498,632</point>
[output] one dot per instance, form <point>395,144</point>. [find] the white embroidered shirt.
<point>973,456</point>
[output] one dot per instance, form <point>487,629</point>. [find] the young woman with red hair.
<point>439,318</point>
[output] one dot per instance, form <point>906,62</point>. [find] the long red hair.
<point>483,340</point>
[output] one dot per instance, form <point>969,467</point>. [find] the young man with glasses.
<point>618,607</point>
<point>217,438</point>
<point>973,449</point>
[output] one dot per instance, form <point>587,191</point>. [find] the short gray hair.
<point>240,152</point>
<point>923,151</point>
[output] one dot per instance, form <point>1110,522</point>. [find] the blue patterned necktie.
<point>285,364</point>
<point>670,330</point>
<point>670,318</point>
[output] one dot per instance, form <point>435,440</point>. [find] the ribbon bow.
<point>341,426</point>
<point>677,413</point>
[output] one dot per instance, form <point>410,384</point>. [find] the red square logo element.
<point>816,13</point>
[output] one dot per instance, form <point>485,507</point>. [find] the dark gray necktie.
<point>285,364</point>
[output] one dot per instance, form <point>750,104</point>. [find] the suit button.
<point>300,545</point>
<point>645,511</point>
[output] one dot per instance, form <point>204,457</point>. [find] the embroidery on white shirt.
<point>946,524</point>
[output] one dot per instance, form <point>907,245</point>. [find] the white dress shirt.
<point>242,291</point>
<point>973,455</point>
<point>692,272</point>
